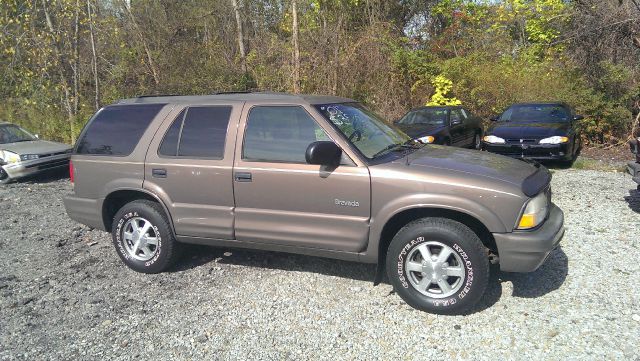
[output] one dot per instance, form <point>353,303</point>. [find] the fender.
<point>145,191</point>
<point>432,201</point>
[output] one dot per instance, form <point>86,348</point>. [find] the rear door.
<point>189,165</point>
<point>280,199</point>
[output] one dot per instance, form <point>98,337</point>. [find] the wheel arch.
<point>402,218</point>
<point>118,198</point>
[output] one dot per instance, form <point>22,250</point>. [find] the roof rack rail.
<point>158,95</point>
<point>233,92</point>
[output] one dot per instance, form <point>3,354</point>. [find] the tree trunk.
<point>296,49</point>
<point>336,58</point>
<point>76,59</point>
<point>243,54</point>
<point>94,59</point>
<point>71,114</point>
<point>152,67</point>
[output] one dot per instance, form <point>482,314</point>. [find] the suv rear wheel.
<point>438,265</point>
<point>143,238</point>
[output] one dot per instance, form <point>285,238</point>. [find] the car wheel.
<point>447,142</point>
<point>142,237</point>
<point>438,265</point>
<point>477,141</point>
<point>4,177</point>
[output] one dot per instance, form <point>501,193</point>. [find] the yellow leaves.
<point>443,87</point>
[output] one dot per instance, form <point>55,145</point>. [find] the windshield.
<point>544,113</point>
<point>435,116</point>
<point>13,134</point>
<point>365,130</point>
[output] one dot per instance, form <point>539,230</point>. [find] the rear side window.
<point>117,129</point>
<point>197,132</point>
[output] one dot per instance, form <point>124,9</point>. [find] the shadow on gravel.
<point>196,256</point>
<point>633,200</point>
<point>548,278</point>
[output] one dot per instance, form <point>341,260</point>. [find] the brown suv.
<point>315,175</point>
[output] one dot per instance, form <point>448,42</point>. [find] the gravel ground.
<point>64,294</point>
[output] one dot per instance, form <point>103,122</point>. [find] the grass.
<point>583,163</point>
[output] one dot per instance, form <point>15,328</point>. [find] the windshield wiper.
<point>410,144</point>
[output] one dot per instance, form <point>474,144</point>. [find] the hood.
<point>471,163</point>
<point>420,130</point>
<point>35,147</point>
<point>528,130</point>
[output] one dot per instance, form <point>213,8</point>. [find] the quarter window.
<point>197,132</point>
<point>117,129</point>
<point>280,134</point>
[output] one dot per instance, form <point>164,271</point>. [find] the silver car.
<point>23,154</point>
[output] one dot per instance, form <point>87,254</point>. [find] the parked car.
<point>315,175</point>
<point>540,131</point>
<point>634,167</point>
<point>23,154</point>
<point>451,125</point>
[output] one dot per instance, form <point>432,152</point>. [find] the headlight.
<point>535,212</point>
<point>493,139</point>
<point>554,140</point>
<point>9,157</point>
<point>428,139</point>
<point>29,156</point>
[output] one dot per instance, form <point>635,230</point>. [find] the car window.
<point>465,113</point>
<point>197,132</point>
<point>456,116</point>
<point>431,116</point>
<point>280,134</point>
<point>11,133</point>
<point>536,113</point>
<point>117,129</point>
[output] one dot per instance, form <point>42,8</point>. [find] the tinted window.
<point>169,146</point>
<point>116,130</point>
<point>197,132</point>
<point>204,132</point>
<point>456,116</point>
<point>434,116</point>
<point>536,113</point>
<point>280,134</point>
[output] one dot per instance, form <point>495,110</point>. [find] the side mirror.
<point>578,117</point>
<point>493,119</point>
<point>323,153</point>
<point>455,121</point>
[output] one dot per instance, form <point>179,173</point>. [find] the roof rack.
<point>233,92</point>
<point>158,95</point>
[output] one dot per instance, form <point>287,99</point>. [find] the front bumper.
<point>30,167</point>
<point>525,251</point>
<point>633,168</point>
<point>531,151</point>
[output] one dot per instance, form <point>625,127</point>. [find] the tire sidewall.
<point>160,258</point>
<point>474,265</point>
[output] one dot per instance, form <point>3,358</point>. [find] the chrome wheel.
<point>140,238</point>
<point>435,270</point>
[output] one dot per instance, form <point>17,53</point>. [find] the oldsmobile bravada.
<point>315,175</point>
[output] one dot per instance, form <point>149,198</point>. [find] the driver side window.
<point>280,134</point>
<point>456,116</point>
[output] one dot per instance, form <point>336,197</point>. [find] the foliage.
<point>392,55</point>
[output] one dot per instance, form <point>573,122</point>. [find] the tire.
<point>466,271</point>
<point>477,141</point>
<point>4,177</point>
<point>153,251</point>
<point>447,142</point>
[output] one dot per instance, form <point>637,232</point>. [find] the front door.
<point>458,128</point>
<point>281,199</point>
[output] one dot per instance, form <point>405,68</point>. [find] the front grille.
<point>50,164</point>
<point>522,141</point>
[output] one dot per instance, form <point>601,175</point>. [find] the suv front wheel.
<point>438,265</point>
<point>143,238</point>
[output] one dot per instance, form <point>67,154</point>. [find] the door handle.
<point>159,173</point>
<point>242,177</point>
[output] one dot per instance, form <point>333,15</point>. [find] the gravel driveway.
<point>64,294</point>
